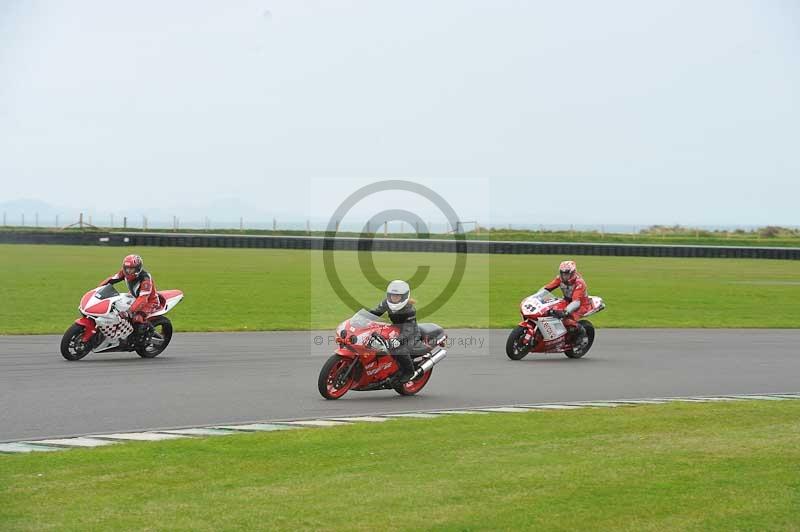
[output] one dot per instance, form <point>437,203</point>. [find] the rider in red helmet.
<point>140,285</point>
<point>574,289</point>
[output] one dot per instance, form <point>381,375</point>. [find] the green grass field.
<point>647,468</point>
<point>241,289</point>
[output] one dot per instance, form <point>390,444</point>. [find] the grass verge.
<point>667,467</point>
<point>249,289</point>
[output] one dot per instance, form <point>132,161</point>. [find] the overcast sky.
<point>530,112</point>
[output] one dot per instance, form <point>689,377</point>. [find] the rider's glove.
<point>560,314</point>
<point>125,315</point>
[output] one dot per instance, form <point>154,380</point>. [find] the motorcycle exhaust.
<point>437,356</point>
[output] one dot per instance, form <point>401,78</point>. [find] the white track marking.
<point>25,448</point>
<point>365,419</point>
<point>139,436</point>
<point>256,427</point>
<point>762,397</point>
<point>509,409</point>
<point>459,412</point>
<point>702,399</point>
<point>73,442</point>
<point>314,423</point>
<point>552,407</point>
<point>421,415</point>
<point>641,401</point>
<point>200,431</point>
<point>598,404</point>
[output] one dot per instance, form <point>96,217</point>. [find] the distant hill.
<point>13,211</point>
<point>225,210</point>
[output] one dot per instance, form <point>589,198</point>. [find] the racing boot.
<point>406,372</point>
<point>143,333</point>
<point>576,334</point>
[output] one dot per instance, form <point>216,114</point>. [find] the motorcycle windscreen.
<point>535,302</point>
<point>551,328</point>
<point>363,318</point>
<point>106,292</point>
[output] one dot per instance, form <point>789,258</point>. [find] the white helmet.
<point>397,295</point>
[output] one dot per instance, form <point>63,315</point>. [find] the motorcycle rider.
<point>400,306</point>
<point>141,286</point>
<point>575,292</point>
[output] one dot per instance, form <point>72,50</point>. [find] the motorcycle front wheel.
<point>72,346</point>
<point>332,382</point>
<point>514,348</point>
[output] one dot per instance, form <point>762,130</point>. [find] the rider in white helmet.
<point>400,306</point>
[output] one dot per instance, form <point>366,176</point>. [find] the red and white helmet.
<point>568,271</point>
<point>132,266</point>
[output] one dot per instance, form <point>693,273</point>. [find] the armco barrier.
<point>395,244</point>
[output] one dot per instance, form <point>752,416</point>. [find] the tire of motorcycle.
<point>150,351</point>
<point>74,333</point>
<point>587,325</point>
<point>414,387</point>
<point>513,338</point>
<point>330,370</point>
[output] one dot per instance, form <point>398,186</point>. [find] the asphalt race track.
<point>214,378</point>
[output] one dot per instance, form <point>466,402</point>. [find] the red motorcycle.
<point>363,363</point>
<point>540,332</point>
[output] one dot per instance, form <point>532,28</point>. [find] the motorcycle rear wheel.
<point>328,381</point>
<point>160,340</point>
<point>415,386</point>
<point>589,328</point>
<point>72,346</point>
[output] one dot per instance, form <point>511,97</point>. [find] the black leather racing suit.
<point>406,319</point>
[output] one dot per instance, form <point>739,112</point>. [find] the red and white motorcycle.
<point>540,332</point>
<point>101,329</point>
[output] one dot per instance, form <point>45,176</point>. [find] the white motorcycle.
<point>101,328</point>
